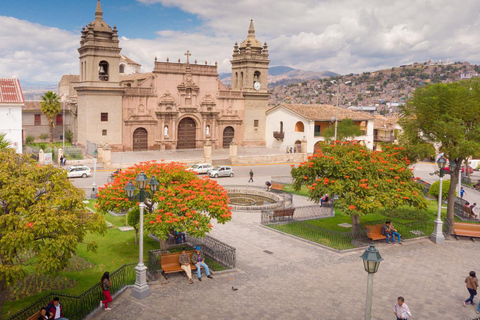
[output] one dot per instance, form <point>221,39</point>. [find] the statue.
<point>165,131</point>
<point>207,130</point>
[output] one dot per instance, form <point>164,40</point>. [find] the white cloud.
<point>338,35</point>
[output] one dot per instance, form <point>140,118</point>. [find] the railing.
<point>219,251</point>
<point>300,214</point>
<point>78,307</point>
<point>278,135</point>
<point>384,138</point>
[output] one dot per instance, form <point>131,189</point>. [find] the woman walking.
<point>106,284</point>
<point>472,285</point>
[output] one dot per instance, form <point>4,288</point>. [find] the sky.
<point>39,39</point>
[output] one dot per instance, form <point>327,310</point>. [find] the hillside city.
<point>384,89</point>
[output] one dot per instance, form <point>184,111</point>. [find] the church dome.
<point>98,24</point>
<point>254,43</point>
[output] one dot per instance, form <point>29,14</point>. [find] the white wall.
<point>289,120</point>
<point>11,124</point>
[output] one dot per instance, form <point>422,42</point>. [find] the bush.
<point>29,139</point>
<point>44,136</point>
<point>69,136</point>
<point>436,186</point>
<point>407,213</point>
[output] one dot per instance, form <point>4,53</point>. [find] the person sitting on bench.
<point>199,259</point>
<point>390,232</point>
<point>477,185</point>
<point>268,185</point>
<point>184,261</point>
<point>325,198</point>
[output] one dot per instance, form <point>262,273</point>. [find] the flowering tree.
<point>183,201</point>
<point>363,180</point>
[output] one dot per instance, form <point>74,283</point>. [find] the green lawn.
<point>328,232</point>
<point>302,192</point>
<point>115,249</point>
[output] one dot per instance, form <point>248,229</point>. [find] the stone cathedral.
<point>178,105</point>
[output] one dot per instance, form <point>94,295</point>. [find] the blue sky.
<point>39,38</point>
<point>135,19</point>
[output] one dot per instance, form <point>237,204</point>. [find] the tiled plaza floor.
<point>303,281</point>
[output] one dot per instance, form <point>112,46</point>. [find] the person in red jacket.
<point>54,308</point>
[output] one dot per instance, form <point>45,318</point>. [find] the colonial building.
<point>11,103</point>
<point>386,130</point>
<point>179,105</point>
<point>288,125</point>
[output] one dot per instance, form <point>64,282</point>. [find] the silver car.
<point>78,171</point>
<point>221,171</point>
<point>200,168</point>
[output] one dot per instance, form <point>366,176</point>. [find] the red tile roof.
<point>10,91</point>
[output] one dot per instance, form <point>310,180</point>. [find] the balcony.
<point>278,135</point>
<point>381,138</point>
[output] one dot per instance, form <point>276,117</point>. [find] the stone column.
<point>59,155</point>
<point>207,152</point>
<point>107,155</point>
<point>233,152</point>
<point>100,152</point>
<point>303,148</point>
<point>41,157</point>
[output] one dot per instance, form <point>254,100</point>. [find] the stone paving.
<point>304,281</point>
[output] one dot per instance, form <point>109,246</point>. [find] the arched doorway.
<point>140,139</point>
<point>187,134</point>
<point>298,146</point>
<point>228,135</point>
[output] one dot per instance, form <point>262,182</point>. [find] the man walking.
<point>401,310</point>
<point>184,261</point>
<point>199,259</point>
<point>251,176</point>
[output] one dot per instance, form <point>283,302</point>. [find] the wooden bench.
<point>34,316</point>
<point>463,229</point>
<point>169,263</point>
<point>283,214</point>
<point>276,186</point>
<point>374,232</point>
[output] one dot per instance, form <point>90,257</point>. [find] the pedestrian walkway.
<point>280,277</point>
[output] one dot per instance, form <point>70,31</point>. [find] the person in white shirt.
<point>401,310</point>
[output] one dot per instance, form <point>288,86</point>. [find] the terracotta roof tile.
<point>128,60</point>
<point>382,122</point>
<point>32,105</point>
<point>324,112</point>
<point>10,91</point>
<point>71,78</point>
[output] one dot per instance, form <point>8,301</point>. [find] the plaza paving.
<point>304,281</point>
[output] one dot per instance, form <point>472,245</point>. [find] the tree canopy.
<point>51,107</point>
<point>446,115</point>
<point>183,201</point>
<point>346,129</point>
<point>364,181</point>
<point>42,218</point>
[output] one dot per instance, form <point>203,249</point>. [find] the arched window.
<point>122,68</point>
<point>103,71</point>
<point>241,80</point>
<point>281,126</point>
<point>235,81</point>
<point>256,76</point>
<point>299,127</point>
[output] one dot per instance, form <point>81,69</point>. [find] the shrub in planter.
<point>434,189</point>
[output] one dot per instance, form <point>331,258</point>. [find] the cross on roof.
<point>188,54</point>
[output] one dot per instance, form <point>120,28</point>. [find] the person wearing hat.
<point>184,261</point>
<point>199,259</point>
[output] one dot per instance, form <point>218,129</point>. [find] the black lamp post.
<point>437,235</point>
<point>371,261</point>
<point>141,289</point>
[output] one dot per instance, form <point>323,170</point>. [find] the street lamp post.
<point>140,289</point>
<point>437,235</point>
<point>336,106</point>
<point>371,261</point>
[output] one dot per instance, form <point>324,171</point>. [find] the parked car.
<point>78,171</point>
<point>221,171</point>
<point>200,168</point>
<point>447,169</point>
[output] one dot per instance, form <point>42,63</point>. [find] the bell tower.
<point>250,77</point>
<point>99,117</point>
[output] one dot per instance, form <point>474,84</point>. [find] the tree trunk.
<point>163,245</point>
<point>451,197</point>
<point>3,295</point>
<point>355,225</point>
<point>136,236</point>
<point>51,132</point>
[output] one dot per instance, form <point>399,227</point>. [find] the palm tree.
<point>50,108</point>
<point>4,143</point>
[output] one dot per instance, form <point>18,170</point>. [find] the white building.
<point>11,103</point>
<point>288,124</point>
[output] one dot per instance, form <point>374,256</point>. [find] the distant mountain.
<point>35,90</point>
<point>285,75</point>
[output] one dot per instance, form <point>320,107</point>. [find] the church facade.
<point>178,105</point>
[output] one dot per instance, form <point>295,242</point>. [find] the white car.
<point>78,171</point>
<point>200,168</point>
<point>221,171</point>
